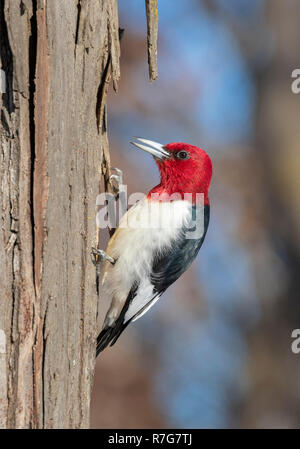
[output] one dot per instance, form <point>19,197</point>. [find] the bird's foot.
<point>98,255</point>
<point>117,179</point>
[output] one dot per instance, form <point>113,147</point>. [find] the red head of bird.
<point>185,170</point>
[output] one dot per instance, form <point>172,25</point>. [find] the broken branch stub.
<point>152,33</point>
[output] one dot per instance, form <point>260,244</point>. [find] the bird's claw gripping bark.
<point>117,177</point>
<point>98,255</point>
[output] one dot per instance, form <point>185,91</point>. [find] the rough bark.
<point>56,56</point>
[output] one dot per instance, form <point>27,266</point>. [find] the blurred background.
<point>215,351</point>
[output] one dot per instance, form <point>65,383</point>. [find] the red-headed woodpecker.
<point>158,238</point>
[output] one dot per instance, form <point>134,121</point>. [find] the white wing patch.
<point>143,301</point>
<point>147,307</point>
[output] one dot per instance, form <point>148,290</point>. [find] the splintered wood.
<point>152,33</point>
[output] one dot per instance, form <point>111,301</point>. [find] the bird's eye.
<point>182,155</point>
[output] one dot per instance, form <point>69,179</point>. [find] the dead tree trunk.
<point>57,58</point>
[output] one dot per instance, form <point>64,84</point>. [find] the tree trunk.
<point>57,57</point>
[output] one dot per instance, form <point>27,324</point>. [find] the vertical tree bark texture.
<point>56,56</point>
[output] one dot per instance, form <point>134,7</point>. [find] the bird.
<point>157,238</point>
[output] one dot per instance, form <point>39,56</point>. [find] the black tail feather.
<point>109,336</point>
<point>117,334</point>
<point>112,333</point>
<point>104,338</point>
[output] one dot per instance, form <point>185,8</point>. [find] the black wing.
<point>169,266</point>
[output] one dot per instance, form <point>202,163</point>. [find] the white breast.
<point>147,227</point>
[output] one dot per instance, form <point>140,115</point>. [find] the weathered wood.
<point>54,55</point>
<point>152,33</point>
